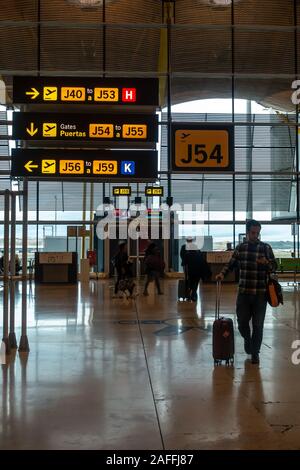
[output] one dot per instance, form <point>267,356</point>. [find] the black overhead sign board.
<point>122,191</point>
<point>93,127</point>
<point>88,90</point>
<point>103,165</point>
<point>202,147</point>
<point>154,191</point>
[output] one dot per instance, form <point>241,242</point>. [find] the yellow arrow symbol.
<point>32,130</point>
<point>29,165</point>
<point>34,93</point>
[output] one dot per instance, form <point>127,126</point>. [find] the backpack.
<point>196,264</point>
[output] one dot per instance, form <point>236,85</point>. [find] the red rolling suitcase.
<point>223,335</point>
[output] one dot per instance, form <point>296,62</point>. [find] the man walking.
<point>254,259</point>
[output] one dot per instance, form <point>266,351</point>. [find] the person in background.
<point>196,270</point>
<point>149,247</point>
<point>189,245</point>
<point>122,264</point>
<point>1,264</point>
<point>195,267</point>
<point>254,260</point>
<point>154,267</point>
<point>18,264</point>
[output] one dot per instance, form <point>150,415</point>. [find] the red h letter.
<point>129,94</point>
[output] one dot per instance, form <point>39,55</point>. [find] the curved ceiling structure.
<point>205,50</point>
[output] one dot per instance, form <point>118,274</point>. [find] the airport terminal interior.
<point>125,123</point>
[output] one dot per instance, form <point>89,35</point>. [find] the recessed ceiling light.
<point>219,3</point>
<point>86,3</point>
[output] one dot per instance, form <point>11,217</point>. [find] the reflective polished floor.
<point>106,373</point>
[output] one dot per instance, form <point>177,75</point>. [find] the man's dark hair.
<point>252,223</point>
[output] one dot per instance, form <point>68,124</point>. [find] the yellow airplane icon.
<point>48,166</point>
<point>49,129</point>
<point>50,93</point>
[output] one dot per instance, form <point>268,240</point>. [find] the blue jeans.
<point>249,306</point>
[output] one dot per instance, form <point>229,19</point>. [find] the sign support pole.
<point>24,345</point>
<point>6,271</point>
<point>12,335</point>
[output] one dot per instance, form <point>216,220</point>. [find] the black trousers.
<point>119,278</point>
<point>193,282</point>
<point>152,275</point>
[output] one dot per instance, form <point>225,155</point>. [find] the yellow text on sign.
<point>50,93</point>
<point>71,167</point>
<point>48,166</point>
<point>134,131</point>
<point>105,167</point>
<point>101,131</point>
<point>49,129</point>
<point>71,93</point>
<point>197,148</point>
<point>106,94</point>
<point>124,191</point>
<point>154,191</point>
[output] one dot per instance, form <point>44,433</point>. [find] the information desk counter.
<point>56,267</point>
<point>217,260</point>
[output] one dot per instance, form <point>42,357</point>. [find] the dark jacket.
<point>196,265</point>
<point>153,259</point>
<point>122,265</point>
<point>150,249</point>
<point>182,254</point>
<point>184,250</point>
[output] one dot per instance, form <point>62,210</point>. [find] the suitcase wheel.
<point>230,362</point>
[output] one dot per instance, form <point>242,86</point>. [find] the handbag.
<point>274,292</point>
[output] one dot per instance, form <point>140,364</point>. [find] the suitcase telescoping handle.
<point>218,298</point>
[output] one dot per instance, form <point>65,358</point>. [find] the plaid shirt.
<point>252,276</point>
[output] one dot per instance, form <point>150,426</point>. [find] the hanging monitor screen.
<point>89,90</point>
<point>96,127</point>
